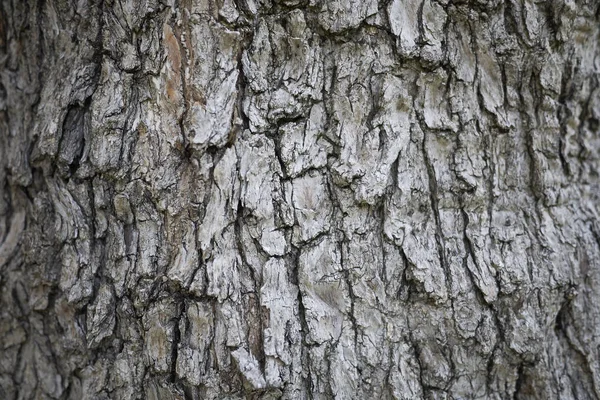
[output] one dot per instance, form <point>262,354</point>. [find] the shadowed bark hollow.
<point>299,199</point>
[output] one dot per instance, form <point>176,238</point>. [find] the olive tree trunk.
<point>299,199</point>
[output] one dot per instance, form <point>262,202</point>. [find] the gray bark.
<point>299,199</point>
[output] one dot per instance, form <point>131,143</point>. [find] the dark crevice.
<point>75,129</point>
<point>294,265</point>
<point>405,291</point>
<point>520,383</point>
<point>433,197</point>
<point>176,340</point>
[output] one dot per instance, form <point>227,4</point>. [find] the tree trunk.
<point>299,199</point>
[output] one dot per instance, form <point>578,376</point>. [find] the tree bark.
<point>299,199</point>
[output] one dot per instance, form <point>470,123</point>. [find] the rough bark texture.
<point>348,199</point>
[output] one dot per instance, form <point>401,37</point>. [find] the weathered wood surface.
<point>304,199</point>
